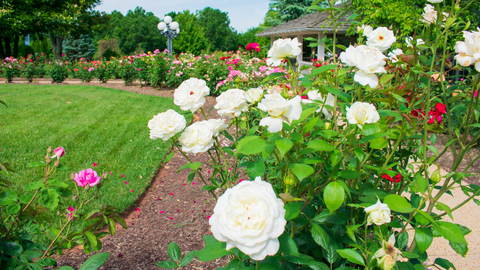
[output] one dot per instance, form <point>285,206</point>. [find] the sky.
<point>243,14</point>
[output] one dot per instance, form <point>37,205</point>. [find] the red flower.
<point>387,177</point>
<point>436,113</point>
<point>253,46</point>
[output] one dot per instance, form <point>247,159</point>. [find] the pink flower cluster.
<point>87,177</point>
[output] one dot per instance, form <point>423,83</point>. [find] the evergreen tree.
<point>192,35</point>
<point>81,47</point>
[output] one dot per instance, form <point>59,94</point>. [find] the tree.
<point>135,31</point>
<point>216,24</point>
<point>81,47</point>
<point>192,36</point>
<point>281,11</point>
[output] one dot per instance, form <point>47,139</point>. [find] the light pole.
<point>170,30</point>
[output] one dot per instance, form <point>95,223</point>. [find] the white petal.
<point>273,124</point>
<point>364,79</point>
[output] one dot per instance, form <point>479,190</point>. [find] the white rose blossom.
<point>254,95</point>
<point>217,126</point>
<point>231,103</point>
<point>364,29</point>
<point>190,95</point>
<point>249,217</point>
<point>409,41</point>
<point>329,100</point>
<point>381,38</point>
<point>361,113</point>
<point>388,255</point>
<point>393,55</point>
<point>165,125</point>
<point>369,60</point>
<point>279,110</point>
<point>469,50</point>
<point>378,213</point>
<point>429,14</point>
<point>281,49</point>
<point>197,138</point>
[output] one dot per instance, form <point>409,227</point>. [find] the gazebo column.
<point>272,39</point>
<point>320,47</point>
<point>300,56</point>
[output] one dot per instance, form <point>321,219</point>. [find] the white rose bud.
<point>165,125</point>
<point>393,55</point>
<point>378,213</point>
<point>197,138</point>
<point>190,95</point>
<point>361,113</point>
<point>281,49</point>
<point>381,38</point>
<point>249,217</point>
<point>231,103</point>
<point>369,60</point>
<point>254,95</point>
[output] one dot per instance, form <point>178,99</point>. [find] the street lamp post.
<point>170,30</point>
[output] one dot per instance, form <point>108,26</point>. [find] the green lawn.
<point>93,124</point>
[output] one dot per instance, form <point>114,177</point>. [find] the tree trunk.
<point>57,45</point>
<point>2,51</point>
<point>8,49</point>
<point>16,39</point>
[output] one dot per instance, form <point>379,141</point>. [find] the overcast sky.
<point>243,14</point>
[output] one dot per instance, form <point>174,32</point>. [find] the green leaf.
<point>167,264</point>
<point>111,226</point>
<point>49,197</point>
<point>11,248</point>
<point>66,268</point>
<point>33,185</point>
<point>451,232</point>
<point>292,210</point>
<point>273,76</point>
<point>192,166</point>
<point>57,183</point>
<point>301,171</point>
<point>344,96</point>
<point>399,98</point>
<point>91,240</point>
<point>13,209</point>
<point>36,164</point>
<point>251,145</point>
<point>8,197</point>
<point>422,183</point>
<point>347,174</point>
<point>461,249</point>
<point>283,145</point>
<point>334,195</point>
<point>402,240</point>
<point>378,143</point>
<point>423,238</point>
<point>121,222</point>
<point>318,265</point>
<point>169,157</point>
<point>320,145</point>
<point>31,254</point>
<point>255,169</point>
<point>444,263</point>
<point>320,236</point>
<point>95,261</point>
<point>212,251</point>
<point>173,251</point>
<point>335,158</point>
<point>398,203</point>
<point>441,206</point>
<point>351,255</point>
<point>299,259</point>
<point>322,69</point>
<point>287,245</point>
<point>187,258</point>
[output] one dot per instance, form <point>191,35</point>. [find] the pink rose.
<point>87,176</point>
<point>59,151</point>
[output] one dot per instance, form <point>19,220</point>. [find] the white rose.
<point>231,103</point>
<point>366,29</point>
<point>369,60</point>
<point>361,113</point>
<point>408,40</point>
<point>165,125</point>
<point>381,38</point>
<point>197,138</point>
<point>469,50</point>
<point>279,110</point>
<point>217,125</point>
<point>249,217</point>
<point>388,254</point>
<point>254,95</point>
<point>435,1</point>
<point>393,55</point>
<point>378,213</point>
<point>190,95</point>
<point>281,49</point>
<point>429,14</point>
<point>329,100</point>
